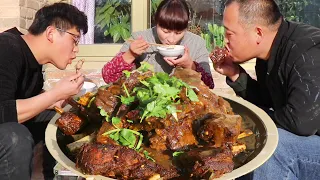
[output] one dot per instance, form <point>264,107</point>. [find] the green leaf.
<point>144,67</point>
<point>210,27</point>
<point>110,11</point>
<point>103,24</point>
<point>125,19</point>
<point>125,34</point>
<point>146,154</point>
<point>115,136</point>
<point>106,33</point>
<point>127,73</point>
<point>103,112</point>
<point>192,95</point>
<point>145,83</point>
<point>99,18</point>
<point>107,118</point>
<point>90,102</point>
<point>163,77</point>
<point>127,100</point>
<point>115,120</point>
<point>116,37</point>
<point>127,138</point>
<point>107,19</point>
<point>177,153</point>
<point>104,8</point>
<point>143,96</point>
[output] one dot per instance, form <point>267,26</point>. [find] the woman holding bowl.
<point>171,19</point>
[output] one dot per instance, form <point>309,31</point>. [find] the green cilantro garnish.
<point>126,100</point>
<point>146,154</point>
<point>127,73</point>
<point>177,153</point>
<point>126,137</point>
<point>145,67</point>
<point>90,102</point>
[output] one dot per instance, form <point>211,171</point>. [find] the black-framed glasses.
<point>75,38</point>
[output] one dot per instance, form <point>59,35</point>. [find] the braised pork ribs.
<point>193,141</point>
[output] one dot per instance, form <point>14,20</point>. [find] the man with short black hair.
<point>51,39</point>
<point>288,81</point>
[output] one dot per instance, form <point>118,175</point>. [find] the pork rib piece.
<point>119,162</point>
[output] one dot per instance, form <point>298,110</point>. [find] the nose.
<point>76,49</point>
<point>226,40</point>
<point>171,38</point>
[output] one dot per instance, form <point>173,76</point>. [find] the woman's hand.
<point>136,49</point>
<point>184,61</point>
<point>138,46</point>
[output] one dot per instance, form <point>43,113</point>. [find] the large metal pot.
<point>260,147</point>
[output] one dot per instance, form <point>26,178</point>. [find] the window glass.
<point>306,11</point>
<point>112,21</point>
<point>206,16</point>
<point>109,21</point>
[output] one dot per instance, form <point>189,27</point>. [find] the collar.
<point>276,43</point>
<point>33,63</point>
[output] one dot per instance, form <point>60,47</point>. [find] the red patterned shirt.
<point>112,71</point>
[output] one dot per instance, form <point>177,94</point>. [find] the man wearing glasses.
<point>52,38</point>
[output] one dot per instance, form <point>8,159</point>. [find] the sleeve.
<point>248,88</point>
<point>112,71</point>
<point>9,73</point>
<point>201,60</point>
<point>301,113</point>
<point>205,77</point>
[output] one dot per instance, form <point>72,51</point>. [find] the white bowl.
<point>171,52</point>
<point>87,87</point>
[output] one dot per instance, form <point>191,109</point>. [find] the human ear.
<point>49,33</point>
<point>259,34</point>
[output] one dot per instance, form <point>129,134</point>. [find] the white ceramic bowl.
<point>87,87</point>
<point>171,52</point>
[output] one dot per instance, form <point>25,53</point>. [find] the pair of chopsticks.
<point>154,44</point>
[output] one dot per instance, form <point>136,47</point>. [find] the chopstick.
<point>58,110</point>
<point>154,44</point>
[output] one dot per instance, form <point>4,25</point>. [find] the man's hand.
<point>59,104</point>
<point>184,61</point>
<point>69,86</point>
<point>223,64</point>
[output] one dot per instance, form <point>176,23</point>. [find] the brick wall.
<point>9,14</point>
<point>20,13</point>
<point>28,9</point>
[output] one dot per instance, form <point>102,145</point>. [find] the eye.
<point>228,34</point>
<point>178,32</point>
<point>165,30</point>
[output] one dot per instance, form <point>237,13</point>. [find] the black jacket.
<point>289,81</point>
